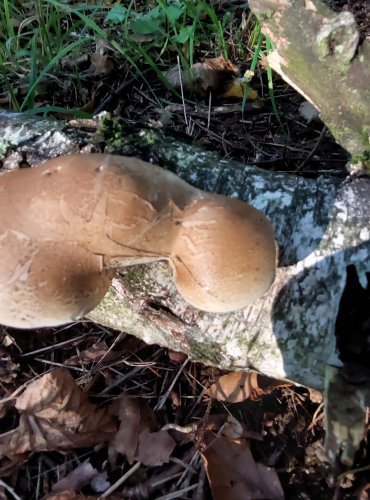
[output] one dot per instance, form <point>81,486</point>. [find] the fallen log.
<point>322,226</point>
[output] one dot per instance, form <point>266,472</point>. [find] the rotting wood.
<point>320,54</point>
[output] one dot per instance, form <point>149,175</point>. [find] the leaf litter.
<point>92,428</point>
<point>56,415</point>
<point>234,474</point>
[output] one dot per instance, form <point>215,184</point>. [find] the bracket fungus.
<point>69,224</point>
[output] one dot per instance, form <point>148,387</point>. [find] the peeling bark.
<point>318,52</point>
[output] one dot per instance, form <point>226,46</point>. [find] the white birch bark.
<point>322,226</point>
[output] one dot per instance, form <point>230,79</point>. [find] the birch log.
<point>322,226</point>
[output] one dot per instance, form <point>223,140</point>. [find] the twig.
<point>177,494</point>
<point>199,493</point>
<point>121,480</point>
<point>62,365</point>
<point>209,109</point>
<point>161,403</point>
<point>10,489</point>
<point>182,92</point>
<point>54,346</point>
<point>313,150</point>
<point>146,488</point>
<point>184,430</point>
<point>115,93</point>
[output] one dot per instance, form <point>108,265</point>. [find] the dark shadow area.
<point>353,321</point>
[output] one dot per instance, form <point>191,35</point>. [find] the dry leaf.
<point>135,415</point>
<point>234,475</point>
<point>94,353</point>
<point>211,74</point>
<point>315,396</point>
<point>127,437</point>
<point>233,387</point>
<point>177,357</point>
<point>155,448</point>
<point>134,437</point>
<point>56,415</point>
<point>265,385</point>
<point>101,65</point>
<point>77,479</point>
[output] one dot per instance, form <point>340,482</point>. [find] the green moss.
<point>207,352</point>
<point>134,276</point>
<point>113,132</point>
<point>361,158</point>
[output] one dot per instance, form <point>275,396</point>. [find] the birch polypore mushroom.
<point>69,224</point>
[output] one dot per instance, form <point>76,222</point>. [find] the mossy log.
<point>322,226</point>
<point>320,54</point>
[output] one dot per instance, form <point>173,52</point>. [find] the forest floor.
<point>135,390</point>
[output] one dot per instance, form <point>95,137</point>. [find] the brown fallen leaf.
<point>56,415</point>
<point>127,437</point>
<point>177,357</point>
<point>94,353</point>
<point>135,438</point>
<point>315,396</point>
<point>100,64</point>
<point>211,74</point>
<point>233,473</point>
<point>266,385</point>
<point>235,387</point>
<point>155,448</point>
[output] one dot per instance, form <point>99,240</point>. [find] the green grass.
<point>37,37</point>
<point>261,47</point>
<point>32,45</point>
